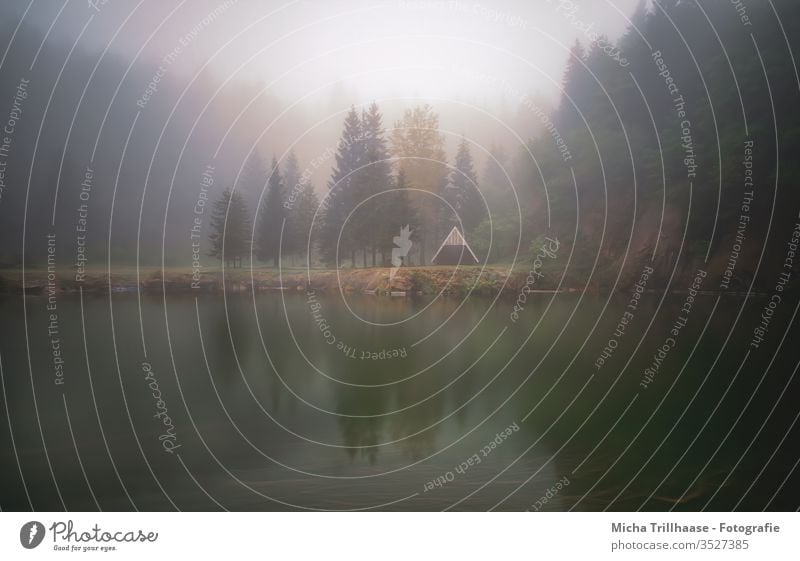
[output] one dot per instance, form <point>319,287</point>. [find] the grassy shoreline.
<point>408,281</point>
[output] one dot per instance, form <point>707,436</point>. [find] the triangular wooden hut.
<point>455,251</point>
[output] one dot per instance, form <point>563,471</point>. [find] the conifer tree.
<point>373,178</point>
<point>341,199</point>
<point>271,217</point>
<point>496,182</point>
<point>230,228</point>
<point>253,179</point>
<point>301,205</point>
<point>462,190</point>
<point>420,147</point>
<point>397,211</point>
<point>577,86</point>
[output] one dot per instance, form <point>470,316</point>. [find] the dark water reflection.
<point>331,412</point>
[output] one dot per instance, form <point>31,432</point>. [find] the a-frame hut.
<point>455,251</point>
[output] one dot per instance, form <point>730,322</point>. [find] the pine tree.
<point>297,201</point>
<point>253,179</point>
<point>291,173</point>
<point>374,178</point>
<point>496,183</point>
<point>420,147</point>
<point>271,217</point>
<point>397,212</point>
<point>301,204</point>
<point>307,210</point>
<point>577,85</point>
<point>462,190</point>
<point>340,199</point>
<point>230,228</point>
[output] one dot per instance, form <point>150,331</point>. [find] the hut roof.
<point>456,239</point>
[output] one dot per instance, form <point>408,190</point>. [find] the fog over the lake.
<point>329,54</point>
<point>227,78</point>
<point>400,255</point>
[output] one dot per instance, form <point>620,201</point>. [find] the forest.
<point>673,144</point>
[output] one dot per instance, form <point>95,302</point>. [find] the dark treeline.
<point>378,187</point>
<point>670,135</point>
<point>87,139</point>
<point>659,133</point>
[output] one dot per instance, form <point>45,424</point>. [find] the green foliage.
<point>504,234</point>
<point>230,228</point>
<point>341,198</point>
<point>271,217</point>
<point>420,149</point>
<point>462,191</point>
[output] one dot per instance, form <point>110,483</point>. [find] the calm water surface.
<point>311,402</point>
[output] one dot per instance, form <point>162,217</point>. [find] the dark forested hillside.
<point>672,147</point>
<point>667,145</point>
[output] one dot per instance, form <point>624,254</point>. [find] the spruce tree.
<point>301,204</point>
<point>341,199</point>
<point>397,211</point>
<point>374,178</point>
<point>462,190</point>
<point>496,182</point>
<point>253,179</point>
<point>420,147</point>
<point>577,87</point>
<point>299,201</point>
<point>300,218</point>
<point>291,173</point>
<point>230,228</point>
<point>271,217</point>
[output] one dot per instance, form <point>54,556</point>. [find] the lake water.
<point>298,401</point>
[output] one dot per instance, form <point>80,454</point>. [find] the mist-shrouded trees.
<point>497,181</point>
<point>374,177</point>
<point>253,178</point>
<point>340,198</point>
<point>300,204</point>
<point>656,127</point>
<point>420,149</point>
<point>230,228</point>
<point>396,212</point>
<point>462,191</point>
<point>271,217</point>
<point>352,218</point>
<point>577,84</point>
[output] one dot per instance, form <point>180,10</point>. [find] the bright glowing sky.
<point>425,48</point>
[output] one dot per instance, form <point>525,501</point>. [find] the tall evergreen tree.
<point>419,145</point>
<point>230,228</point>
<point>292,242</point>
<point>374,178</point>
<point>495,181</point>
<point>462,190</point>
<point>271,217</point>
<point>301,219</point>
<point>301,204</point>
<point>253,179</point>
<point>340,199</point>
<point>291,172</point>
<point>577,86</point>
<point>397,211</point>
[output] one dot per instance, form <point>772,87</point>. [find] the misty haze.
<point>402,255</point>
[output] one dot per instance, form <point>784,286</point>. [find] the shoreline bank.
<point>411,281</point>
